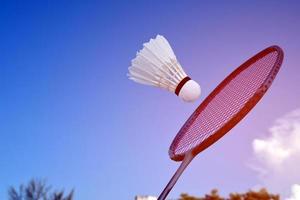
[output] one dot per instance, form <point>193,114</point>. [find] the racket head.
<point>227,104</point>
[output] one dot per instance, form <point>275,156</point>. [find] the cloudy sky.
<point>277,156</point>
<point>69,114</point>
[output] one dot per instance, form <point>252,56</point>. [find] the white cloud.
<point>295,193</point>
<point>277,157</point>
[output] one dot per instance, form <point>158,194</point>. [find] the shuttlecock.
<point>156,65</point>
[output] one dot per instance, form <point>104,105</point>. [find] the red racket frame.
<point>239,115</point>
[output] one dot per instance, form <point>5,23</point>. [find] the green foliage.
<point>37,190</point>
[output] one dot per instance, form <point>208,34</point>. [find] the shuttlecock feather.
<point>157,65</point>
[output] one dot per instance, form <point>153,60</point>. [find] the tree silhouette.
<point>37,190</point>
<point>262,194</point>
<point>185,196</point>
<point>214,195</point>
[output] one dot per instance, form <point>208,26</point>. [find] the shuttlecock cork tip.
<point>188,90</point>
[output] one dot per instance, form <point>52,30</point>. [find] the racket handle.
<point>187,159</point>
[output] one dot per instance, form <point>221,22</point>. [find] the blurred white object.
<point>156,65</point>
<point>145,198</point>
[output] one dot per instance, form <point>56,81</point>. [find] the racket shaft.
<point>187,159</point>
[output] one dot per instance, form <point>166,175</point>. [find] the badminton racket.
<point>223,108</point>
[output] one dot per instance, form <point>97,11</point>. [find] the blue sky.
<point>69,114</point>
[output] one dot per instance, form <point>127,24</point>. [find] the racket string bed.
<point>226,104</point>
